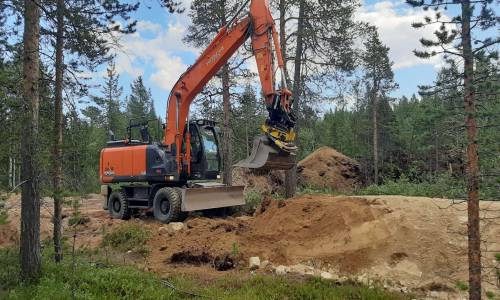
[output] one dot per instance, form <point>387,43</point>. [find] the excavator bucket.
<point>267,156</point>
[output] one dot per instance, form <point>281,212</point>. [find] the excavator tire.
<point>183,214</point>
<point>167,205</point>
<point>118,206</point>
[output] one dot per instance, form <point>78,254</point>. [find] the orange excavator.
<point>180,173</point>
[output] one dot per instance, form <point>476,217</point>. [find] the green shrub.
<point>442,186</point>
<point>78,219</point>
<point>311,190</point>
<point>3,211</point>
<point>128,237</point>
<point>490,295</point>
<point>253,198</point>
<point>462,286</point>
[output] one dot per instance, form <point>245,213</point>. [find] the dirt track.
<point>419,243</point>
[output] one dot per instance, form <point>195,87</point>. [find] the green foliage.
<point>439,187</point>
<point>310,190</point>
<point>266,287</point>
<point>128,237</point>
<point>490,295</point>
<point>235,250</point>
<point>101,281</point>
<point>253,199</point>
<point>3,211</point>
<point>462,286</point>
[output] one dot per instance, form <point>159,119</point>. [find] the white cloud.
<point>158,57</point>
<point>143,26</point>
<point>394,19</point>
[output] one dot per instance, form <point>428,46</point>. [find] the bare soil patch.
<point>416,242</point>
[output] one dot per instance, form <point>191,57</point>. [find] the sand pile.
<point>328,168</point>
<point>410,241</point>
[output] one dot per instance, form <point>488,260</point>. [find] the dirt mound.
<point>263,182</point>
<point>406,240</point>
<point>420,243</point>
<point>328,168</point>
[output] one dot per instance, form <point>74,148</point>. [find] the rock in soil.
<point>254,262</point>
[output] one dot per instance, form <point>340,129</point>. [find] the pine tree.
<point>82,29</point>
<point>140,102</point>
<point>466,37</point>
<point>322,45</point>
<point>380,80</point>
<point>110,103</point>
<point>30,252</point>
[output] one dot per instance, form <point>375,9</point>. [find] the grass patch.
<point>440,187</point>
<point>311,190</point>
<point>98,281</point>
<point>462,286</point>
<point>490,295</point>
<point>128,236</point>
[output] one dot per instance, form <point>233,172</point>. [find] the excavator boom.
<point>277,143</point>
<point>166,177</point>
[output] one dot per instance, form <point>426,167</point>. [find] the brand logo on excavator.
<point>216,56</point>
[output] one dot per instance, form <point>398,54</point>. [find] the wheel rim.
<point>164,206</point>
<point>117,205</point>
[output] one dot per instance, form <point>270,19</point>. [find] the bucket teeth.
<point>268,155</point>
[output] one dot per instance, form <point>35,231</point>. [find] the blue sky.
<point>157,53</point>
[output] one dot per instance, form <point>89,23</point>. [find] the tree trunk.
<point>375,134</point>
<point>282,33</point>
<point>291,175</point>
<point>472,170</point>
<point>247,142</point>
<point>11,176</point>
<point>58,133</point>
<point>226,143</point>
<point>30,194</point>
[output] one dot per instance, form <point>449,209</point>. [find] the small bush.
<point>252,201</point>
<point>78,219</point>
<point>462,286</point>
<point>3,211</point>
<point>128,237</point>
<point>490,295</point>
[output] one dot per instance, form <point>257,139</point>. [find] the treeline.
<point>88,125</point>
<point>421,139</point>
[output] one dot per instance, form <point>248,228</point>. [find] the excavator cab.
<point>205,150</point>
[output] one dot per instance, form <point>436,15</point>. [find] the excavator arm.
<point>277,144</point>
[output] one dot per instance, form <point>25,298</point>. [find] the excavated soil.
<point>325,168</point>
<point>420,243</point>
<point>328,168</point>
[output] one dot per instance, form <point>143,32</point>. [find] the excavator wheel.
<point>266,155</point>
<point>183,214</point>
<point>118,206</point>
<point>167,205</point>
